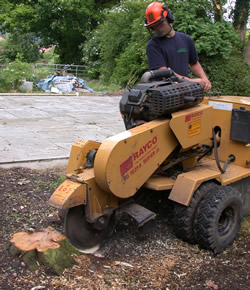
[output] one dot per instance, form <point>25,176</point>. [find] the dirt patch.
<point>127,261</point>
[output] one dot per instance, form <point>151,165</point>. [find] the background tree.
<point>240,17</point>
<point>25,46</point>
<point>110,37</point>
<point>247,51</point>
<point>120,40</point>
<point>63,23</point>
<point>197,19</point>
<point>217,6</point>
<point>240,20</point>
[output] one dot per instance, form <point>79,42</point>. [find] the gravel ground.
<point>127,261</point>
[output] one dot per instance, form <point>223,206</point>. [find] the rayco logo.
<point>139,158</point>
<point>192,116</point>
<point>145,148</point>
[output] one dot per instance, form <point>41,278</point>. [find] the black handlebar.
<point>160,73</point>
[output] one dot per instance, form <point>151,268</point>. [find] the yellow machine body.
<point>222,113</point>
<point>183,187</point>
<point>124,161</point>
<point>80,186</point>
<point>129,160</point>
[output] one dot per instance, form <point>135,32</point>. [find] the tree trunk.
<point>47,248</point>
<point>240,15</point>
<point>218,14</point>
<point>247,52</point>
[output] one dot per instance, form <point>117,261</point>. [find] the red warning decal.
<point>126,165</point>
<point>192,116</point>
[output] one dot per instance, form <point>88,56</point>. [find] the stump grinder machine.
<point>193,149</point>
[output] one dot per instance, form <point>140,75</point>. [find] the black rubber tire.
<point>80,233</point>
<point>184,215</point>
<point>218,220</point>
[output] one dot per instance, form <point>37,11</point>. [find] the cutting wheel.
<point>80,233</point>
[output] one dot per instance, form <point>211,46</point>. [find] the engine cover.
<point>149,101</point>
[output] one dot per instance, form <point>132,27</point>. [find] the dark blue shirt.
<point>175,52</point>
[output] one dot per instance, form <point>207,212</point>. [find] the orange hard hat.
<point>155,12</point>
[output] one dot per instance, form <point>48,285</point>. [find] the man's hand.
<point>198,71</point>
<point>204,82</point>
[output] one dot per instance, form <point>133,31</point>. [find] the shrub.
<point>91,54</point>
<point>49,56</point>
<point>13,75</point>
<point>132,63</point>
<point>228,76</point>
<point>22,46</point>
<point>115,41</point>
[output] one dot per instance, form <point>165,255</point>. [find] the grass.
<point>98,86</point>
<point>54,185</point>
<point>15,215</point>
<point>44,185</point>
<point>245,225</point>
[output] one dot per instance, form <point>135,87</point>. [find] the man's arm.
<point>198,71</point>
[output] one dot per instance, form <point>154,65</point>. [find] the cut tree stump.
<point>48,248</point>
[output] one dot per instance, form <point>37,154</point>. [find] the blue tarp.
<point>63,83</point>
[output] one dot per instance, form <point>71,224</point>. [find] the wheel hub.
<point>226,221</point>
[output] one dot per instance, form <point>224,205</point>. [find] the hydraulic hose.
<point>231,158</point>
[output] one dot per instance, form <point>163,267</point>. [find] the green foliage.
<point>54,185</point>
<point>241,13</point>
<point>63,23</point>
<point>91,54</point>
<point>98,86</point>
<point>49,56</point>
<point>230,76</point>
<point>21,17</point>
<point>132,63</point>
<point>116,50</point>
<point>2,47</point>
<point>216,39</point>
<point>40,74</point>
<point>110,37</point>
<point>23,45</point>
<point>13,74</point>
<point>68,21</point>
<point>120,43</point>
<point>195,18</point>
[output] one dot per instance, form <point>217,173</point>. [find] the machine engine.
<point>150,100</point>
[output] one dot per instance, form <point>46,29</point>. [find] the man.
<point>171,49</point>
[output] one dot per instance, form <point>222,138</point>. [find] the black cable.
<point>230,158</point>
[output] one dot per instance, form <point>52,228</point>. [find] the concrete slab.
<point>43,127</point>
